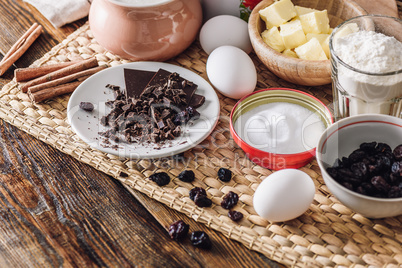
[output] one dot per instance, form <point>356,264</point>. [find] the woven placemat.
<point>328,234</point>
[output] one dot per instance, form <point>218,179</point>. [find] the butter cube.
<point>315,22</point>
<point>320,37</point>
<point>273,39</point>
<point>311,50</point>
<point>323,39</point>
<point>278,13</point>
<point>292,34</point>
<point>303,10</point>
<point>290,53</point>
<point>347,29</point>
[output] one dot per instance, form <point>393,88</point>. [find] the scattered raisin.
<point>197,190</point>
<point>178,230</point>
<point>229,200</point>
<point>186,176</point>
<point>202,201</point>
<point>235,215</point>
<point>199,196</point>
<point>224,174</point>
<point>160,178</point>
<point>200,239</point>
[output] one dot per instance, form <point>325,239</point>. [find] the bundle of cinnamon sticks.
<point>46,82</point>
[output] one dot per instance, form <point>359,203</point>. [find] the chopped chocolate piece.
<point>136,81</point>
<point>104,121</point>
<point>86,106</point>
<point>157,92</point>
<point>177,131</point>
<point>110,103</point>
<point>127,107</point>
<point>113,87</point>
<point>114,138</point>
<point>197,101</point>
<point>117,95</point>
<point>165,113</point>
<point>170,124</point>
<point>161,124</point>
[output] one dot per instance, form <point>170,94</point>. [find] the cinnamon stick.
<point>20,47</point>
<point>53,92</point>
<point>26,74</point>
<point>65,79</point>
<point>77,67</point>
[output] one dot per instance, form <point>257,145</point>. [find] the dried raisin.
<point>197,190</point>
<point>160,178</point>
<point>187,176</point>
<point>235,215</point>
<point>200,239</point>
<point>202,201</point>
<point>224,174</point>
<point>178,230</point>
<point>229,200</point>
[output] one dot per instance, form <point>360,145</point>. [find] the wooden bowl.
<point>298,71</point>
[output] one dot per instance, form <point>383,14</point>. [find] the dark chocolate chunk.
<point>86,106</point>
<point>197,101</point>
<point>136,81</point>
<point>104,121</point>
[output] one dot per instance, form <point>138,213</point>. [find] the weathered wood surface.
<point>58,212</point>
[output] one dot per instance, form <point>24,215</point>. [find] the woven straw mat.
<point>328,234</point>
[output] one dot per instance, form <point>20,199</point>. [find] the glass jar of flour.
<point>366,58</point>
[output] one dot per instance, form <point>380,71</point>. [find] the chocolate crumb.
<point>86,106</point>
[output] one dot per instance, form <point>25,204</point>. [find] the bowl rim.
<point>345,122</point>
<point>303,154</point>
<point>335,56</point>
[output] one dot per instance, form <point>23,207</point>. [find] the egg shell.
<point>231,71</point>
<point>284,195</point>
<point>225,30</point>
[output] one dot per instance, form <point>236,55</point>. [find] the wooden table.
<point>56,211</point>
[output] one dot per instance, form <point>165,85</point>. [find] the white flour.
<point>371,52</point>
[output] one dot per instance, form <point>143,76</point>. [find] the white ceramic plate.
<point>87,125</point>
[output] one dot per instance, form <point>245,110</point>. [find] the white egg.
<point>284,195</point>
<point>225,30</point>
<point>231,71</point>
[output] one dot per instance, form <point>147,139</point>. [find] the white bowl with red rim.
<point>345,136</point>
<point>270,159</point>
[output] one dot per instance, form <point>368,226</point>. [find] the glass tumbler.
<point>357,88</point>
